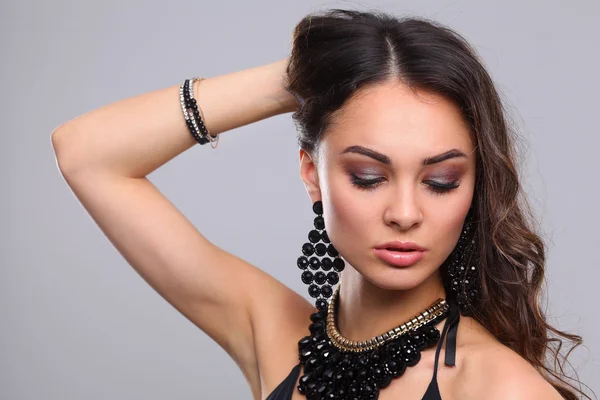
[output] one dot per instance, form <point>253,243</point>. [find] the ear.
<point>309,175</point>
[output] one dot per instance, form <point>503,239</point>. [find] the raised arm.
<point>105,156</point>
<point>135,136</point>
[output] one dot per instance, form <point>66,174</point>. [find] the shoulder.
<point>494,371</point>
<point>504,374</point>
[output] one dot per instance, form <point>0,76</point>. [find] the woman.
<point>419,232</point>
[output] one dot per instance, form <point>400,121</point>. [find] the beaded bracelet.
<point>195,118</point>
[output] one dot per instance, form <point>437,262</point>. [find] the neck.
<point>366,310</point>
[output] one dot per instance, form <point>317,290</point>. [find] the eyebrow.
<point>453,153</point>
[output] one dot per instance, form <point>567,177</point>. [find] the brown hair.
<point>337,52</point>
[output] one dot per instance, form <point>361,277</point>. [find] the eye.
<point>440,188</point>
<point>365,184</point>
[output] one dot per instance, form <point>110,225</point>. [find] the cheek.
<point>344,208</point>
<point>347,217</point>
<point>445,223</point>
<point>448,225</point>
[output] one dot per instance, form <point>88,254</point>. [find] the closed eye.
<point>442,187</point>
<point>434,186</point>
<point>365,184</point>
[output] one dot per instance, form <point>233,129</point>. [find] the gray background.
<point>76,322</point>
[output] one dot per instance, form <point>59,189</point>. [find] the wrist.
<point>287,100</point>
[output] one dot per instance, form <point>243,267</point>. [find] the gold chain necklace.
<point>438,308</point>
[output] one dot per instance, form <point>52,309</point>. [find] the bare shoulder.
<point>280,317</point>
<point>494,371</point>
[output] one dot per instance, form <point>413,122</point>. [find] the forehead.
<point>395,120</point>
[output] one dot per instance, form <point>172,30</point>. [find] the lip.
<point>401,246</point>
<point>399,258</point>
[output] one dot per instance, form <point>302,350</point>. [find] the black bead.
<point>302,262</point>
<point>305,355</point>
<point>339,264</point>
<point>391,367</point>
<point>472,272</point>
<point>318,207</point>
<point>321,304</point>
<point>314,236</point>
<point>333,278</point>
<point>411,355</point>
<point>432,335</point>
<point>385,381</point>
<point>322,346</point>
<point>349,375</point>
<point>320,249</point>
<point>334,358</point>
<point>326,291</point>
<point>402,341</point>
<point>328,373</point>
<point>304,343</point>
<point>321,389</point>
<point>455,284</point>
<point>368,388</point>
<point>317,337</point>
<point>320,277</point>
<point>338,378</point>
<point>362,374</point>
<point>304,379</point>
<point>310,365</point>
<point>378,372</point>
<point>314,263</point>
<point>326,354</point>
<point>401,367</point>
<point>319,223</point>
<point>332,251</point>
<point>315,327</point>
<point>317,317</point>
<point>452,270</point>
<point>308,249</point>
<point>375,356</point>
<point>325,237</point>
<point>461,299</point>
<point>419,340</point>
<point>314,291</point>
<point>363,359</point>
<point>307,277</point>
<point>326,264</point>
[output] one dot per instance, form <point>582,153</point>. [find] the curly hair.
<point>337,52</point>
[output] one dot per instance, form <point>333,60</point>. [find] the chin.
<point>394,278</point>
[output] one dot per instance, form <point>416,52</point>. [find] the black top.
<point>286,388</point>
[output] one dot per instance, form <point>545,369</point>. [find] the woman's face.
<point>376,187</point>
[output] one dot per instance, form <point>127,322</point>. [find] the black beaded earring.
<point>326,269</point>
<point>461,269</point>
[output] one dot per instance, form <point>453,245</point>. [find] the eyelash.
<point>435,187</point>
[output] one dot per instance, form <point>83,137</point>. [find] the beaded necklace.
<point>342,369</point>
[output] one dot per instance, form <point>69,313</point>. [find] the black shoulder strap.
<point>450,329</point>
<point>285,389</point>
<point>453,320</point>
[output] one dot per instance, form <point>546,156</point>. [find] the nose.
<point>403,208</point>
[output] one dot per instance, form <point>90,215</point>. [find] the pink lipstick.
<point>400,254</point>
